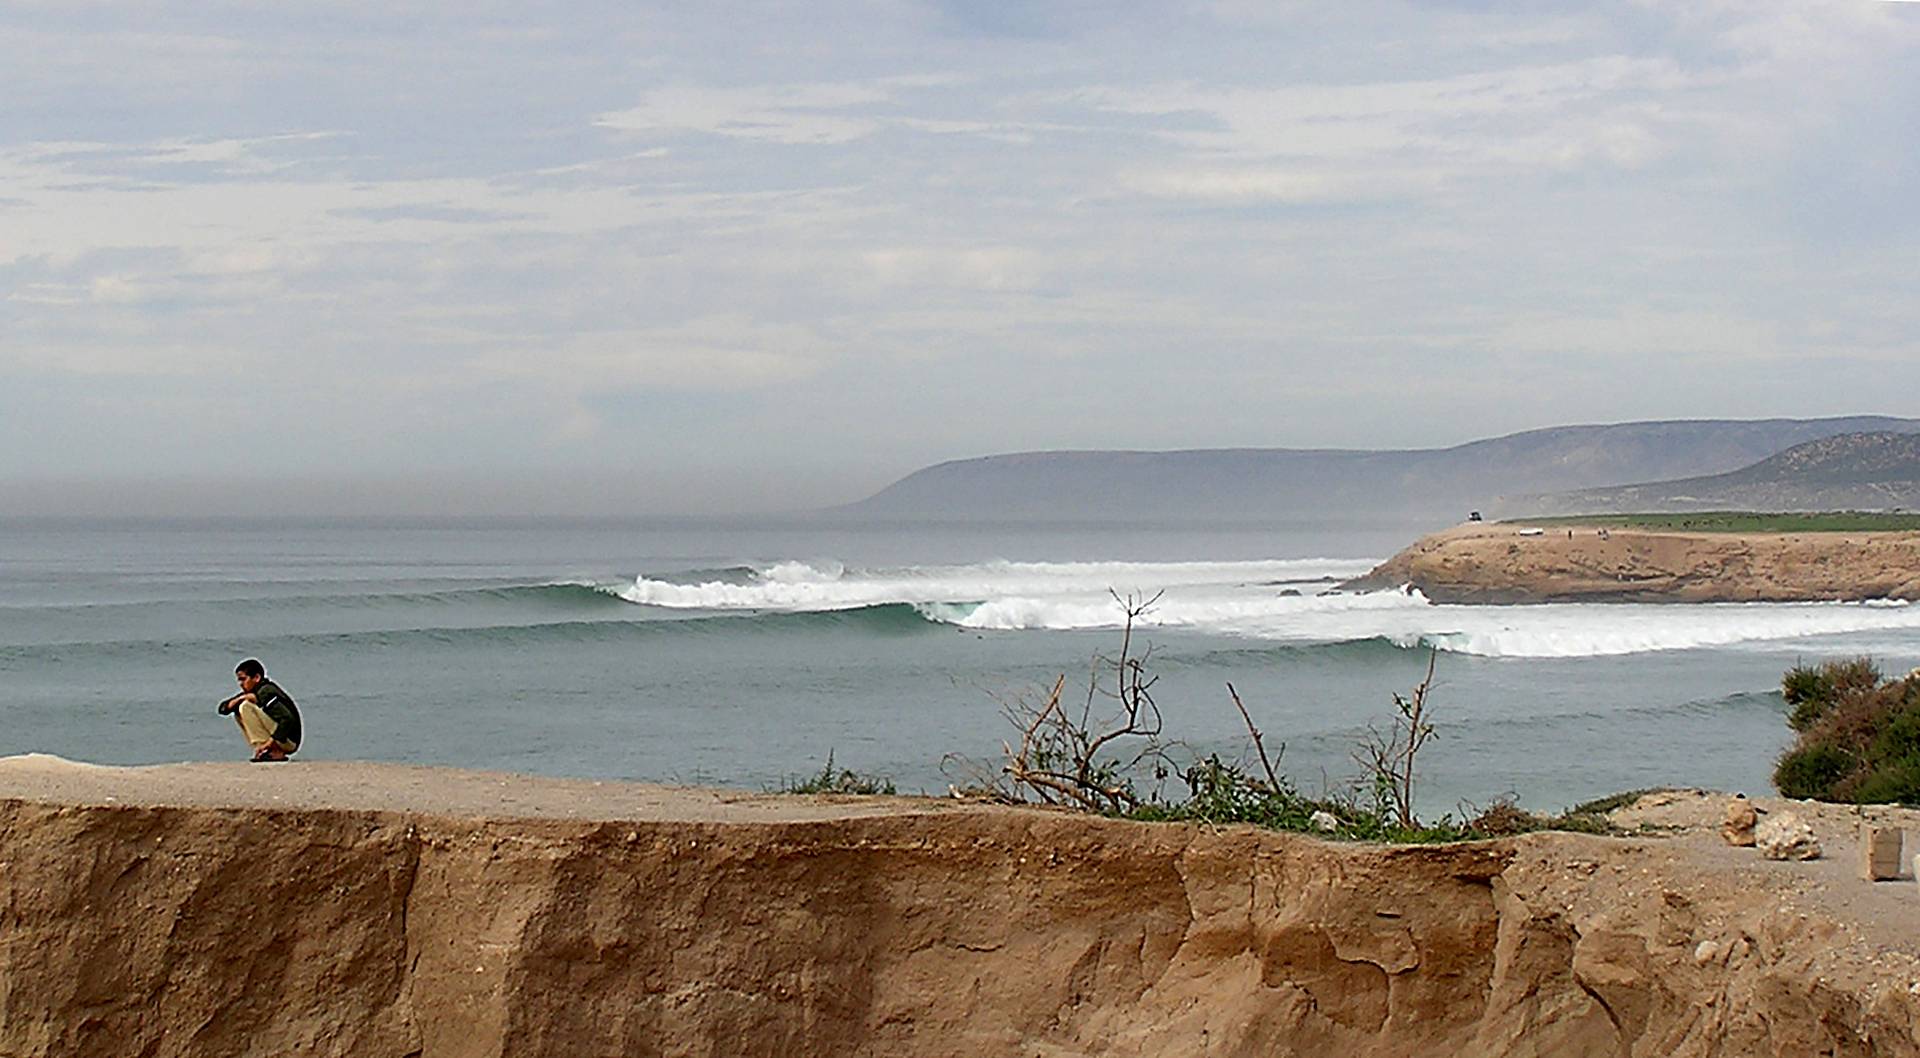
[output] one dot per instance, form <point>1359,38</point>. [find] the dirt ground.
<point>439,792</point>
<point>449,914</point>
<point>1883,916</point>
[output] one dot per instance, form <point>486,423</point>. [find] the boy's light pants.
<point>259,727</point>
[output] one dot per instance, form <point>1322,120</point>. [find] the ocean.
<point>743,652</point>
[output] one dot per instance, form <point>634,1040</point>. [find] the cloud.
<point>990,268</point>
<point>821,113</point>
<point>842,233</point>
<point>1836,32</point>
<point>440,212</point>
<point>792,114</point>
<point>1372,141</point>
<point>713,353</point>
<point>1639,333</point>
<point>78,207</point>
<point>1247,184</point>
<point>112,356</point>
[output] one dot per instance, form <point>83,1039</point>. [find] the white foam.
<point>1254,600</point>
<point>1264,613</point>
<point>1621,628</point>
<point>1408,619</point>
<point>828,586</point>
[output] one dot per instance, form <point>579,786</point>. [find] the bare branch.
<point>1273,781</point>
<point>1389,757</point>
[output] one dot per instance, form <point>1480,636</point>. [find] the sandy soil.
<point>1882,916</point>
<point>1501,563</point>
<point>437,792</point>
<point>447,913</point>
<point>1682,826</point>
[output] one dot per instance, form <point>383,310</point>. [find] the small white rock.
<point>1785,837</point>
<point>1324,821</point>
<point>1705,952</point>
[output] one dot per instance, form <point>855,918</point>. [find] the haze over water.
<point>744,651</point>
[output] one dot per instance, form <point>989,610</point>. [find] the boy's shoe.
<point>269,755</point>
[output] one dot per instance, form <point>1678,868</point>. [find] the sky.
<point>616,257</point>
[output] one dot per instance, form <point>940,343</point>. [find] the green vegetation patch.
<point>1221,792</point>
<point>1600,806</point>
<point>1742,522</point>
<point>1115,760</point>
<point>839,781</point>
<point>1859,734</point>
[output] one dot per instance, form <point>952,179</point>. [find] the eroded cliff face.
<point>157,930</point>
<point>1500,564</point>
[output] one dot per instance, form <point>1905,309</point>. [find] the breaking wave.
<point>1592,630</point>
<point>1282,605</point>
<point>827,585</point>
<point>1278,601</point>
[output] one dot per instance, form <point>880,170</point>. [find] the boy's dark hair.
<point>250,667</point>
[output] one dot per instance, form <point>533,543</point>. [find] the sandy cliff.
<point>324,909</point>
<point>1489,563</point>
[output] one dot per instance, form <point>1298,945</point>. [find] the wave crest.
<point>1254,600</point>
<point>791,585</point>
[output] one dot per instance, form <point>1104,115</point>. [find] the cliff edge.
<point>373,910</point>
<point>1508,563</point>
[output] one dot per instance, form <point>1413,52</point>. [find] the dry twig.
<point>1389,757</point>
<point>1064,760</point>
<point>1273,780</point>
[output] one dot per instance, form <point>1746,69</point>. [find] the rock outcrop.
<point>252,921</point>
<point>1785,837</point>
<point>1737,825</point>
<point>1484,563</point>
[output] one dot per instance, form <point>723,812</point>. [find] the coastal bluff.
<point>1511,563</point>
<point>323,909</point>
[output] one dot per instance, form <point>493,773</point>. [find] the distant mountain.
<point>1267,484</point>
<point>1855,471</point>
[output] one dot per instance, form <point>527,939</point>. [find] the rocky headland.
<point>373,910</point>
<point>1513,563</point>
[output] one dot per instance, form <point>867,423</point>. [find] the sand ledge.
<point>583,918</point>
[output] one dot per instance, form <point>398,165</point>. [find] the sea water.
<point>744,652</point>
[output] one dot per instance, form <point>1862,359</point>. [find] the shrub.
<point>1222,792</point>
<point>1899,738</point>
<point>1813,690</point>
<point>1811,772</point>
<point>1859,736</point>
<point>1806,690</point>
<point>843,781</point>
<point>1107,754</point>
<point>1852,676</point>
<point>1891,782</point>
<point>1503,818</point>
<point>1802,683</point>
<point>1602,805</point>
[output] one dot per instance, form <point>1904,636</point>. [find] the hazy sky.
<point>669,257</point>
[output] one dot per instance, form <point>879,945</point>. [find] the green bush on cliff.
<point>1219,792</point>
<point>1812,689</point>
<point>1859,734</point>
<point>1811,772</point>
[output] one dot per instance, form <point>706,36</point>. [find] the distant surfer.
<point>266,714</point>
